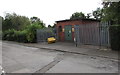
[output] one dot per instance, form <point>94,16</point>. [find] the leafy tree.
<point>111,12</point>
<point>77,15</point>
<point>36,20</point>
<point>14,21</point>
<point>97,14</point>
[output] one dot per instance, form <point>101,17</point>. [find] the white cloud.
<point>48,10</point>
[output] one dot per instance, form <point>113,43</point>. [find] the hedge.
<point>9,35</point>
<point>21,36</point>
<point>13,35</point>
<point>114,31</point>
<point>26,35</point>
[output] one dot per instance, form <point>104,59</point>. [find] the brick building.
<point>65,28</point>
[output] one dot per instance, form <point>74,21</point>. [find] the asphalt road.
<point>21,59</point>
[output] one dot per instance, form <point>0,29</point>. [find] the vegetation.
<point>31,32</point>
<point>37,21</point>
<point>14,21</point>
<point>26,35</point>
<point>111,12</point>
<point>20,28</point>
<point>97,14</point>
<point>49,26</point>
<point>115,37</point>
<point>77,15</point>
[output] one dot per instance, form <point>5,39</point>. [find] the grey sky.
<point>48,10</point>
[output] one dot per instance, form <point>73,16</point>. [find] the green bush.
<point>26,35</point>
<point>114,31</point>
<point>21,36</point>
<point>9,35</point>
<point>13,35</point>
<point>31,30</point>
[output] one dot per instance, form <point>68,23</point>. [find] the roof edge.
<point>77,20</point>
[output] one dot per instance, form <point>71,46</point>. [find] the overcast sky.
<point>48,11</point>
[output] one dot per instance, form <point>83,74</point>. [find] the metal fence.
<point>92,34</point>
<point>43,34</point>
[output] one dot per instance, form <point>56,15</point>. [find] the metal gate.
<point>104,33</point>
<point>43,34</point>
<point>92,34</point>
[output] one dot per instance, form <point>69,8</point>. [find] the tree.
<point>88,15</point>
<point>36,20</point>
<point>77,15</point>
<point>97,14</point>
<point>31,30</point>
<point>14,21</point>
<point>49,26</point>
<point>54,25</point>
<point>1,21</point>
<point>111,12</point>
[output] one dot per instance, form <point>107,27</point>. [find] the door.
<point>68,32</point>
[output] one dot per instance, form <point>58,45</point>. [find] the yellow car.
<point>51,40</point>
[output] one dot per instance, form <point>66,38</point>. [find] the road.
<point>21,59</point>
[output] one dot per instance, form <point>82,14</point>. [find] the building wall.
<point>61,35</point>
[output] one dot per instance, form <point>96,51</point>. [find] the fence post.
<point>75,40</point>
<point>75,37</point>
<point>109,34</point>
<point>100,34</point>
